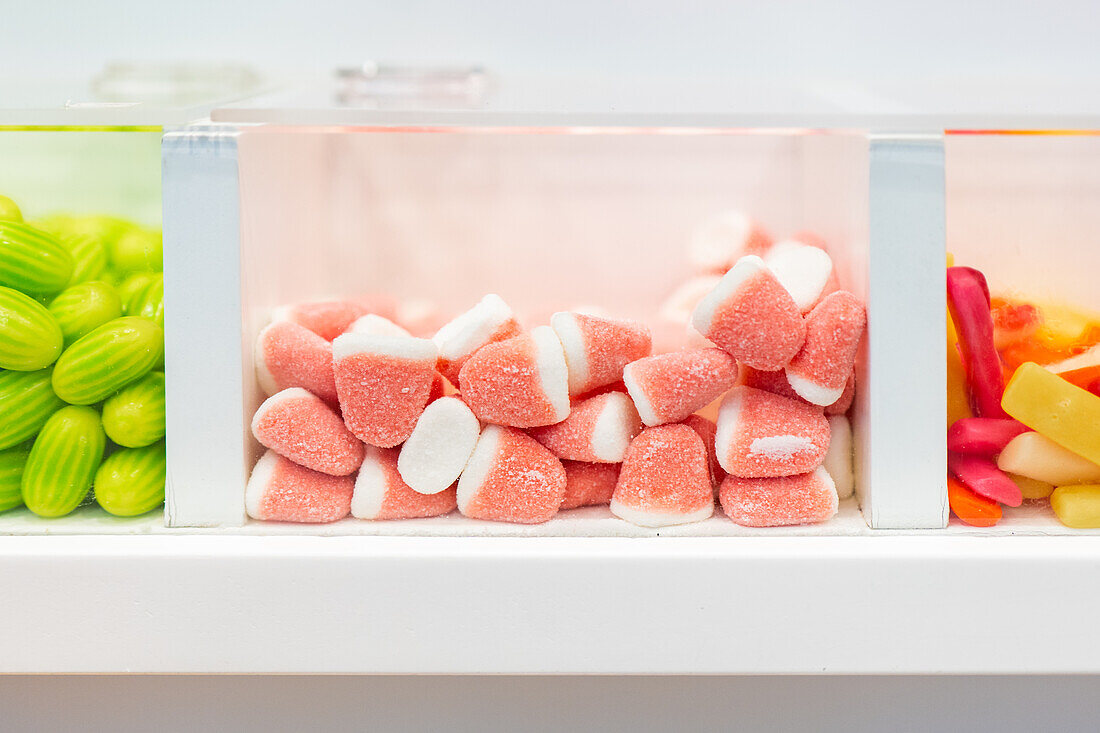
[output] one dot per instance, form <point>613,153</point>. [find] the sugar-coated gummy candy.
<point>32,261</point>
<point>1077,506</point>
<point>1063,412</point>
<point>669,387</point>
<point>381,493</point>
<point>81,308</point>
<point>774,381</point>
<point>981,475</point>
<point>63,461</point>
<point>12,463</point>
<point>300,426</point>
<point>383,383</point>
<point>326,318</point>
<point>839,458</point>
<point>279,490</point>
<point>490,321</point>
<point>377,325</point>
<point>1038,457</point>
<point>982,435</point>
<point>521,382</point>
<point>130,481</point>
<point>597,349</point>
<point>820,370</point>
<point>511,477</point>
<point>134,416</point>
<point>804,270</point>
<point>971,508</point>
<point>1031,488</point>
<point>589,484</point>
<point>968,302</point>
<point>752,317</point>
<point>763,435</point>
<point>847,397</point>
<point>782,501</point>
<point>720,240</point>
<point>433,457</point>
<point>707,430</point>
<point>598,430</point>
<point>664,479</point>
<point>108,358</point>
<point>289,355</point>
<point>27,400</point>
<point>30,338</point>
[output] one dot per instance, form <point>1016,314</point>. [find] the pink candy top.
<point>589,484</point>
<point>287,492</point>
<point>382,396</point>
<point>665,472</point>
<point>293,356</point>
<point>669,387</point>
<point>778,502</point>
<point>301,427</point>
<point>525,483</point>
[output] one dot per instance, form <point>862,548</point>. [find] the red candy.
<point>589,484</point>
<point>669,387</point>
<point>301,427</point>
<point>752,317</point>
<point>280,490</point>
<point>783,501</point>
<point>489,321</point>
<point>598,430</point>
<point>326,318</point>
<point>985,436</point>
<point>820,370</point>
<point>968,301</point>
<point>762,435</point>
<point>664,479</point>
<point>981,475</point>
<point>289,355</point>
<point>384,383</point>
<point>522,382</point>
<point>511,478</point>
<point>597,349</point>
<point>381,494</point>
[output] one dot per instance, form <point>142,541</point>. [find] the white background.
<point>859,39</point>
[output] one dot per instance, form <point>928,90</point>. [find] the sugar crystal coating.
<point>820,370</point>
<point>804,270</point>
<point>598,430</point>
<point>783,501</point>
<point>664,479</point>
<point>489,321</point>
<point>597,349</point>
<point>589,484</point>
<point>441,443</point>
<point>381,493</point>
<point>707,430</point>
<point>669,387</point>
<point>511,478</point>
<point>762,435</point>
<point>752,317</point>
<point>280,490</point>
<point>289,355</point>
<point>299,426</point>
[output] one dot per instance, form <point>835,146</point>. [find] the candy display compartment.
<point>419,223</point>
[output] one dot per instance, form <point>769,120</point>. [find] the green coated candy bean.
<point>12,462</point>
<point>137,250</point>
<point>148,301</point>
<point>81,308</point>
<point>27,400</point>
<point>63,462</point>
<point>30,338</point>
<point>132,284</point>
<point>32,260</point>
<point>89,257</point>
<point>107,359</point>
<point>134,416</point>
<point>9,210</point>
<point>131,481</point>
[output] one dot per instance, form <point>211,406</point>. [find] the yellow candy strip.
<point>1077,506</point>
<point>1063,412</point>
<point>1031,488</point>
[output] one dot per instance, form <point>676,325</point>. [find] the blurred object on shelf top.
<point>372,85</point>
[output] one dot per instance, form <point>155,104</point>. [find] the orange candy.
<point>970,508</point>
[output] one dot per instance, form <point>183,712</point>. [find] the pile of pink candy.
<point>512,425</point>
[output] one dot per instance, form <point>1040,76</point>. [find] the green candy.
<point>107,359</point>
<point>132,284</point>
<point>30,338</point>
<point>10,211</point>
<point>26,402</point>
<point>89,257</point>
<point>134,416</point>
<point>148,300</point>
<point>32,260</point>
<point>131,481</point>
<point>137,250</point>
<point>63,462</point>
<point>12,462</point>
<point>81,308</point>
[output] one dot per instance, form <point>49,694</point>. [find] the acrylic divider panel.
<point>82,425</point>
<point>1022,210</point>
<point>549,220</point>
